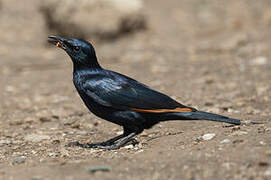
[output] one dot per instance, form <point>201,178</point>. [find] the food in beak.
<point>58,44</point>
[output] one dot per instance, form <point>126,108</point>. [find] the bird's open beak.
<point>57,41</point>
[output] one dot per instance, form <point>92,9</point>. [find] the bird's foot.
<point>103,145</point>
<point>108,145</point>
<point>93,145</point>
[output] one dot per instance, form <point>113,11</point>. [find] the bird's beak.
<point>57,41</point>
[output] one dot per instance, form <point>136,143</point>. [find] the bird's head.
<point>80,51</point>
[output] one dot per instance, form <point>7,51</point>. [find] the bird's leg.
<point>122,141</point>
<point>112,140</point>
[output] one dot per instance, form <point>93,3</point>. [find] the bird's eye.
<point>76,48</point>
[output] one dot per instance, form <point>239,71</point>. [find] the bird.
<point>120,99</point>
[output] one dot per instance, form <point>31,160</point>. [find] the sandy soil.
<point>213,55</point>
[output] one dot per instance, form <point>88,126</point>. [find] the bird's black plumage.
<point>120,99</point>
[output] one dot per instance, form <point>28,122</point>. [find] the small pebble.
<point>267,172</point>
<point>225,141</point>
<point>262,143</point>
<point>130,146</point>
<point>18,160</point>
<point>207,137</point>
<point>119,132</point>
<point>261,60</point>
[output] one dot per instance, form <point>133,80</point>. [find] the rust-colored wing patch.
<point>162,110</point>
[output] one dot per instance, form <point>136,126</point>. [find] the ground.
<point>213,55</point>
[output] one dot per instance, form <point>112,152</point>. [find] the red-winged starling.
<point>121,99</point>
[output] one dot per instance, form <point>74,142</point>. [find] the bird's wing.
<point>121,92</point>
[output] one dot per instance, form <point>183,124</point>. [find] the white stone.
<point>261,60</point>
<point>225,141</point>
<point>267,172</point>
<point>119,132</point>
<point>207,137</point>
<point>129,146</point>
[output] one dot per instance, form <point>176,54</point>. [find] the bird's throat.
<point>94,65</point>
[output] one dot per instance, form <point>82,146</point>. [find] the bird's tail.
<point>209,116</point>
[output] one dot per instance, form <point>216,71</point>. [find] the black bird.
<point>121,99</point>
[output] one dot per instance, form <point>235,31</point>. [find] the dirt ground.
<point>213,55</point>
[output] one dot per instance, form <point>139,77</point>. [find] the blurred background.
<point>213,55</point>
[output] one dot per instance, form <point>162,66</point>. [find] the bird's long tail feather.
<point>210,116</point>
